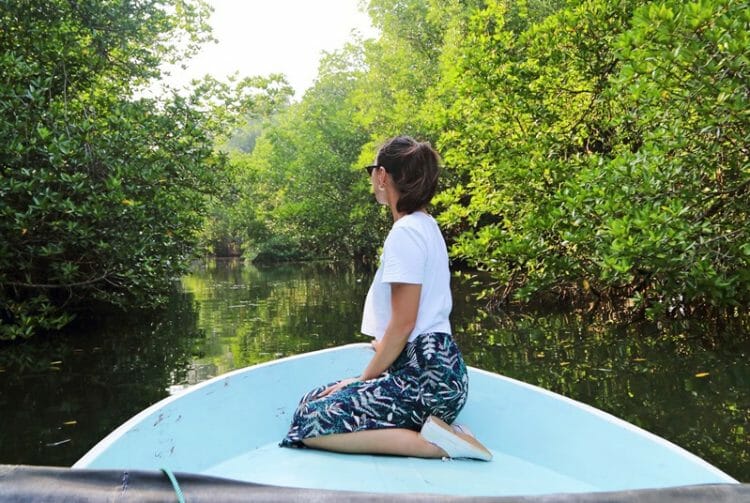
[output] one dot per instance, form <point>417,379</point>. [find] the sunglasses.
<point>371,168</point>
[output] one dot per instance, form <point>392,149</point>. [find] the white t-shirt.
<point>414,252</point>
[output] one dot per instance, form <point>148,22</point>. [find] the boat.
<point>543,443</point>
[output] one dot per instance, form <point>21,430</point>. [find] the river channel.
<point>687,382</point>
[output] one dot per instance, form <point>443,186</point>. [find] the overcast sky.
<point>259,37</point>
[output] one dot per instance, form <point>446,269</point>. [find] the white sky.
<point>259,37</point>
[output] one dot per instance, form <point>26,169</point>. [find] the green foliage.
<point>401,66</point>
<point>595,148</point>
<point>604,145</point>
<point>686,68</point>
<point>101,193</point>
<point>239,111</point>
<point>301,194</point>
<point>239,103</point>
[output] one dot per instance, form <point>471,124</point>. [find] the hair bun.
<point>414,168</point>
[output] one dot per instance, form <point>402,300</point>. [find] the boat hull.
<point>542,442</point>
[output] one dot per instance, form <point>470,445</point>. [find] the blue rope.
<point>175,485</point>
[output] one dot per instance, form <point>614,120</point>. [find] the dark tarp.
<point>43,484</point>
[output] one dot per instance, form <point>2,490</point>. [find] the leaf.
<point>702,374</point>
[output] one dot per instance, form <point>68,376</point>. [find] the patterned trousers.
<point>428,378</point>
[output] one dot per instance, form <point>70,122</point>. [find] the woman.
<point>416,382</point>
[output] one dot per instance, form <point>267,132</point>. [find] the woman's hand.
<point>335,387</point>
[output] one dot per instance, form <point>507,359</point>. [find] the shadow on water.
<point>60,396</point>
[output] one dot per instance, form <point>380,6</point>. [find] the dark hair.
<point>414,167</point>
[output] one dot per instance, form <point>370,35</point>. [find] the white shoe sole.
<point>442,435</point>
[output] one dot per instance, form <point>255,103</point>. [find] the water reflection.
<point>677,381</point>
<point>60,395</point>
<point>252,315</point>
<point>673,381</point>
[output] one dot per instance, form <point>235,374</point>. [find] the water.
<point>689,383</point>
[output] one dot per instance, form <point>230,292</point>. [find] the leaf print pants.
<point>428,378</point>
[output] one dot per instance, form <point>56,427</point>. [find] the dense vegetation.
<point>596,149</point>
<point>593,148</point>
<point>102,192</point>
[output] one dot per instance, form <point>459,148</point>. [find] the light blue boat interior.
<point>542,443</point>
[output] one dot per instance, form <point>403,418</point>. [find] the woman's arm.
<point>404,308</point>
